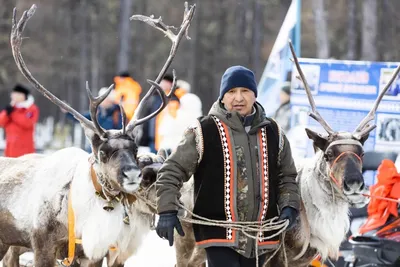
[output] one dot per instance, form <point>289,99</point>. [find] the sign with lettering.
<point>344,93</point>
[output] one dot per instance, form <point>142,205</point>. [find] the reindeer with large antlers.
<point>49,203</point>
<point>330,183</point>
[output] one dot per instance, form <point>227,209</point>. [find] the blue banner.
<point>279,64</point>
<point>344,92</point>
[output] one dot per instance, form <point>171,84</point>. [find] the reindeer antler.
<point>175,39</point>
<point>364,128</point>
<point>314,112</point>
<point>94,104</point>
<point>16,41</point>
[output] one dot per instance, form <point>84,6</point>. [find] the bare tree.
<point>321,29</point>
<point>5,54</point>
<point>369,49</point>
<point>256,37</point>
<point>351,29</point>
<point>124,35</point>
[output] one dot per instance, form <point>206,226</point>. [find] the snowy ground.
<point>155,252</point>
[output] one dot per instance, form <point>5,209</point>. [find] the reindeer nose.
<point>130,171</point>
<point>354,183</point>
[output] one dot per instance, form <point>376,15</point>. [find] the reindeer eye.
<point>329,154</point>
<point>102,156</point>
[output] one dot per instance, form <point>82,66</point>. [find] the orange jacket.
<point>19,127</point>
<point>388,186</point>
<point>130,90</point>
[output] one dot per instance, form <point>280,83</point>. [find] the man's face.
<point>165,85</point>
<point>239,99</point>
<point>17,97</point>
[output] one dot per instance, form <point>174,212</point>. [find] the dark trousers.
<point>227,257</point>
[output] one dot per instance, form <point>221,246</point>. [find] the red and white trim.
<point>228,175</point>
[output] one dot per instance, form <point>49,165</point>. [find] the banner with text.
<point>344,92</point>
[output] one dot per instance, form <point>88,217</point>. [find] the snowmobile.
<point>358,216</point>
<point>377,242</point>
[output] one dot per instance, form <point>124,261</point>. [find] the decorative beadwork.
<point>227,172</point>
<point>264,177</point>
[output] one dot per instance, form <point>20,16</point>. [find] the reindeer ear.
<point>319,140</point>
<point>93,137</point>
<point>362,139</point>
<point>136,133</point>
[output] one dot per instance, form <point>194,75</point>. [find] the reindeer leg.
<point>184,246</point>
<point>44,248</point>
<point>3,250</point>
<point>199,258</point>
<point>11,259</point>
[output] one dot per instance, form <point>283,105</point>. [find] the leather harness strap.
<point>72,240</point>
<point>96,184</point>
<point>71,233</point>
<point>342,142</point>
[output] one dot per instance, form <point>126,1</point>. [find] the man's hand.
<point>9,109</point>
<point>166,224</point>
<point>289,213</point>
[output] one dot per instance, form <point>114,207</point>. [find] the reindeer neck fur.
<point>326,211</point>
<point>100,229</point>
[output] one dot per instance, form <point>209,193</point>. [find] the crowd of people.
<point>20,115</point>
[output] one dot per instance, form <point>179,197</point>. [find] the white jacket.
<point>171,129</point>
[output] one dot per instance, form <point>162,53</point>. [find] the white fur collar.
<point>27,103</point>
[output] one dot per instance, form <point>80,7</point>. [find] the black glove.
<point>289,213</point>
<point>9,109</point>
<point>166,224</point>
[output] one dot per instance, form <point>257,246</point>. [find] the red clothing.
<point>19,127</point>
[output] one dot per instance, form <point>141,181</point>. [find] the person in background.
<point>283,113</point>
<point>18,119</point>
<point>168,134</point>
<point>149,136</point>
<point>243,171</point>
<point>129,90</point>
<point>183,87</point>
<point>108,113</point>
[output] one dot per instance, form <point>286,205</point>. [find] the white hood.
<point>27,103</point>
<point>190,103</point>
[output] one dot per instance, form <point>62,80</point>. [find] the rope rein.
<point>247,228</point>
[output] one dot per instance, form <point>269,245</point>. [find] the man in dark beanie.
<point>18,119</point>
<point>282,114</point>
<point>243,171</point>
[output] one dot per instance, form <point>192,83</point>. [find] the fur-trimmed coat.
<point>19,126</point>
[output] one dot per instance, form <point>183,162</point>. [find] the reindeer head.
<point>114,151</point>
<point>342,151</point>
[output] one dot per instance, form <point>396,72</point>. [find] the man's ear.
<point>319,141</point>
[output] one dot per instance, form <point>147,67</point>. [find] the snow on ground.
<point>155,252</point>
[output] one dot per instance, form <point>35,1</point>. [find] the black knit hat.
<point>168,77</point>
<point>124,74</point>
<point>237,76</point>
<point>21,89</point>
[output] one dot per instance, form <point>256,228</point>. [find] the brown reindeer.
<point>330,183</point>
<point>104,190</point>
